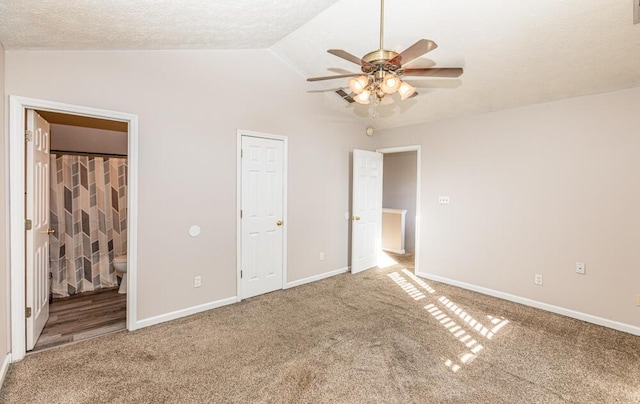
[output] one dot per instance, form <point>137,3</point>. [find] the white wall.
<point>533,190</point>
<point>4,228</point>
<point>399,190</point>
<point>79,139</point>
<point>190,105</point>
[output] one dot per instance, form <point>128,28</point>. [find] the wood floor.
<point>83,316</point>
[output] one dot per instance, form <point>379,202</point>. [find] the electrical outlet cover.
<point>537,279</point>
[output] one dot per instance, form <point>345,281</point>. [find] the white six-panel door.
<point>37,210</point>
<point>366,216</point>
<point>262,224</point>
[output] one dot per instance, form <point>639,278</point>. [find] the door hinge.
<point>240,213</point>
<point>28,225</point>
<point>28,135</point>
<point>27,312</point>
<point>240,274</point>
<point>241,153</point>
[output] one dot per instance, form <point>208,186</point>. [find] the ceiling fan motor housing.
<point>379,59</point>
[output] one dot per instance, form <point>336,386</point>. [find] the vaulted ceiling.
<point>514,53</point>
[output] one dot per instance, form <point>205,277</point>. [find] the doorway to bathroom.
<point>400,206</point>
<point>86,230</point>
<point>73,183</point>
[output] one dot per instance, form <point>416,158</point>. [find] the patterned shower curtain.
<point>89,216</point>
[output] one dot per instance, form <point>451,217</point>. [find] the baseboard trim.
<point>163,318</point>
<point>317,277</point>
<point>4,369</point>
<point>394,250</point>
<point>534,303</point>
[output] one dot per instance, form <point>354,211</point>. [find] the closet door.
<point>262,219</point>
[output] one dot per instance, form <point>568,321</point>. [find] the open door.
<point>37,225</point>
<point>366,210</point>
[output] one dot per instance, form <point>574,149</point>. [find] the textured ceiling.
<point>151,24</point>
<point>514,53</point>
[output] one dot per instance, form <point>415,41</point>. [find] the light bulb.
<point>358,84</point>
<point>363,97</point>
<point>390,84</point>
<point>406,90</point>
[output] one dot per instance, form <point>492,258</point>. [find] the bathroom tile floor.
<point>83,316</point>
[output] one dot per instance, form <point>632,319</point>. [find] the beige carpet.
<point>378,336</point>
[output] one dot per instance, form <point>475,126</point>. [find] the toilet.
<point>120,265</point>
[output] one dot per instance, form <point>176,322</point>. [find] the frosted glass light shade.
<point>406,90</point>
<point>390,84</point>
<point>358,84</point>
<point>363,97</point>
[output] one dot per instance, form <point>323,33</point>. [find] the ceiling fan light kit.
<point>406,90</point>
<point>382,71</point>
<point>363,97</point>
<point>359,84</point>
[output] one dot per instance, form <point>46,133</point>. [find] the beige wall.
<point>79,139</point>
<point>533,190</point>
<point>4,195</point>
<point>190,105</point>
<point>399,190</point>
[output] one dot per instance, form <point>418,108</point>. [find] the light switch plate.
<point>580,268</point>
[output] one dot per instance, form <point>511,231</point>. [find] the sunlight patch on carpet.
<point>407,286</point>
<point>385,260</point>
<point>419,281</point>
<point>472,322</point>
<point>446,315</point>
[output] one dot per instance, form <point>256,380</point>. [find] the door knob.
<point>356,218</point>
<point>51,231</point>
<point>279,223</point>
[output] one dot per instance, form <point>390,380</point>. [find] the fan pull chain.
<point>374,104</point>
<point>381,24</point>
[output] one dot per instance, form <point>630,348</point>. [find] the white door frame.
<point>285,153</point>
<point>418,150</point>
<point>17,107</point>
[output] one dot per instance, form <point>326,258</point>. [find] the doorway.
<point>86,208</point>
<point>367,195</point>
<point>262,222</point>
<point>399,196</point>
<point>18,108</point>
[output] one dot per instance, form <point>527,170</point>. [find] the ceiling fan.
<point>382,70</point>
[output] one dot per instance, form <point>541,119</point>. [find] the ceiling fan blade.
<point>339,76</point>
<point>351,58</point>
<point>435,72</point>
<point>413,52</point>
<point>338,70</point>
<point>326,90</point>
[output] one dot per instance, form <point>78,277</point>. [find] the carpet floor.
<point>380,336</point>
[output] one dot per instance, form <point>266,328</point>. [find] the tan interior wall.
<point>534,190</point>
<point>88,140</point>
<point>190,105</point>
